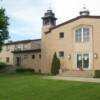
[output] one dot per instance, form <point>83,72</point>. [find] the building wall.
<point>35,45</point>
<point>7,53</point>
<point>8,48</point>
<point>51,43</point>
<point>27,60</point>
<point>96,47</point>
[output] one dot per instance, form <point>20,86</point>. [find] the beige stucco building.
<point>22,54</point>
<point>76,43</point>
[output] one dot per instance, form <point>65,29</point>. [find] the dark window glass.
<point>79,60</point>
<point>7,59</point>
<point>61,54</point>
<point>33,56</point>
<point>82,60</point>
<point>61,35</point>
<point>86,60</point>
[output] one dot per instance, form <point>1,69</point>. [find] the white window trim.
<point>60,57</point>
<point>82,61</point>
<point>82,35</point>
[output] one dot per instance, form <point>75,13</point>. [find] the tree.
<point>4,34</point>
<point>55,65</point>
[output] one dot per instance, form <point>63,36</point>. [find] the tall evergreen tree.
<point>4,34</point>
<point>55,65</point>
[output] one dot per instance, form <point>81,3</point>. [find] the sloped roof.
<point>27,51</point>
<point>72,20</point>
<point>22,41</point>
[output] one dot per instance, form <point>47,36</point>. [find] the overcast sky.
<point>25,15</point>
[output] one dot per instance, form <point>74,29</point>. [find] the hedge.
<point>97,74</point>
<point>20,70</point>
<point>3,65</point>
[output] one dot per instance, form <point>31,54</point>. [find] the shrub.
<point>55,65</point>
<point>21,70</point>
<point>97,74</point>
<point>3,65</point>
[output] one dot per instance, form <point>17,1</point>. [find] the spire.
<point>50,6</point>
<point>84,11</point>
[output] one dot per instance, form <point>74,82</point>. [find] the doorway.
<point>18,61</point>
<point>83,61</point>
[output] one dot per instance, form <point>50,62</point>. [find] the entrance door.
<point>83,60</point>
<point>18,61</point>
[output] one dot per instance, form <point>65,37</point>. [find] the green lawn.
<point>34,87</point>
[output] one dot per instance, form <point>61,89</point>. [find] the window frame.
<point>82,60</point>
<point>61,54</point>
<point>84,36</point>
<point>61,35</point>
<point>7,59</point>
<point>33,56</point>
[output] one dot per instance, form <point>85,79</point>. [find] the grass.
<point>34,87</point>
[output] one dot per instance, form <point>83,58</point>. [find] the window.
<point>33,56</point>
<point>83,60</point>
<point>40,56</point>
<point>18,61</point>
<point>61,35</point>
<point>86,34</point>
<point>79,60</point>
<point>61,53</point>
<point>78,35</point>
<point>82,34</point>
<point>7,59</point>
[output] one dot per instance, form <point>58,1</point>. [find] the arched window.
<point>82,34</point>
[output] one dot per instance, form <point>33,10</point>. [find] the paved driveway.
<point>97,80</point>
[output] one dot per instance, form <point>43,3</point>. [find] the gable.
<point>72,20</point>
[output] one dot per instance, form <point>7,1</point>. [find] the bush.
<point>3,65</point>
<point>97,74</point>
<point>21,70</point>
<point>55,65</point>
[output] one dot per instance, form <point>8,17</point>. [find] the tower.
<point>49,20</point>
<point>84,12</point>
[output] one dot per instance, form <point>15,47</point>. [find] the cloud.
<point>23,34</point>
<point>25,15</point>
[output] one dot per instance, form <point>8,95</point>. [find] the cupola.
<point>84,12</point>
<point>49,18</point>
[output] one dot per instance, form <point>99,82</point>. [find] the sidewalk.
<point>81,79</point>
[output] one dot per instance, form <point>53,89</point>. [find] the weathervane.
<point>50,5</point>
<point>84,4</point>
